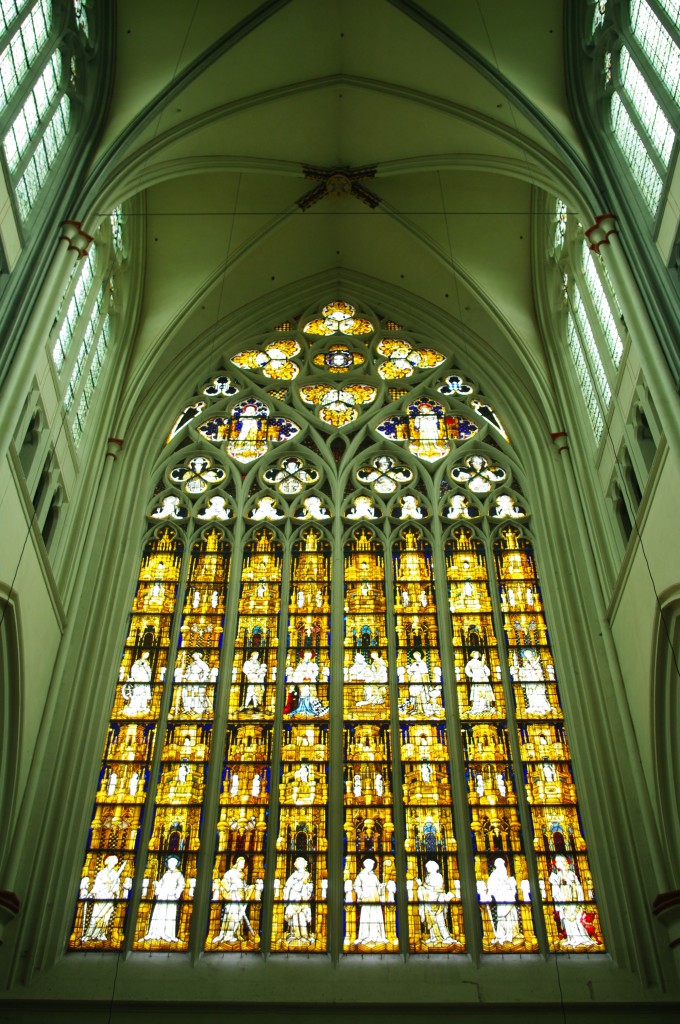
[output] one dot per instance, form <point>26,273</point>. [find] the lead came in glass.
<point>301,877</point>
<point>169,880</point>
<point>109,868</point>
<point>238,871</point>
<point>370,878</point>
<point>502,880</point>
<point>566,884</point>
<point>269,834</point>
<point>432,880</point>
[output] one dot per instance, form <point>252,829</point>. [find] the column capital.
<point>113,447</point>
<point>77,240</point>
<point>560,440</point>
<point>598,234</point>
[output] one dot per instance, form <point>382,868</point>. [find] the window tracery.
<point>214,827</point>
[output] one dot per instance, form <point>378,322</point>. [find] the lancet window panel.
<point>245,785</point>
<point>23,48</point>
<point>301,873</point>
<point>564,876</point>
<point>169,882</point>
<point>657,43</point>
<point>112,845</point>
<point>370,871</point>
<point>432,878</point>
<point>501,870</point>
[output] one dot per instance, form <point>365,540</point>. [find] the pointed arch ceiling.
<point>460,109</point>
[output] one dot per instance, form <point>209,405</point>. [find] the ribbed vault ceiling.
<point>460,107</point>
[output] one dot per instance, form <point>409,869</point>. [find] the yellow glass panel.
<point>565,880</point>
<point>301,877</point>
<point>168,886</point>
<point>245,790</point>
<point>109,869</point>
<point>503,885</point>
<point>370,880</point>
<point>432,879</point>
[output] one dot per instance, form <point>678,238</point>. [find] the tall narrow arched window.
<point>336,727</point>
<point>83,328</point>
<point>642,60</point>
<point>595,330</point>
<point>39,55</point>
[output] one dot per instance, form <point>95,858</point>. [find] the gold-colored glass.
<point>428,429</point>
<point>338,359</point>
<point>338,317</point>
<point>274,360</point>
<point>109,869</point>
<point>164,914</point>
<point>402,359</point>
<point>249,431</point>
<point>245,789</point>
<point>370,875</point>
<point>503,886</point>
<point>338,407</point>
<point>301,876</point>
<point>565,880</point>
<point>432,879</point>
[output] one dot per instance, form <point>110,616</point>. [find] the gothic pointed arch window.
<point>336,726</point>
<point>637,43</point>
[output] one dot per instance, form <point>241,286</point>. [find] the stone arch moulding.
<point>666,718</point>
<point>11,682</point>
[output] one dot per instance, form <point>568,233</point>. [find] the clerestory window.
<point>644,91</point>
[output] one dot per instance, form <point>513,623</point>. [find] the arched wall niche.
<point>665,696</point>
<point>11,702</point>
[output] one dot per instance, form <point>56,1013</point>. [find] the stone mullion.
<point>336,696</point>
<point>211,807</point>
<point>459,799</point>
<point>275,764</point>
<point>149,812</point>
<point>396,782</point>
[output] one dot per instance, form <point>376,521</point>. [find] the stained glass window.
<point>584,379</point>
<point>169,880</point>
<point>560,224</point>
<point>114,839</point>
<point>338,317</point>
<point>672,8</point>
<point>565,882</point>
<point>369,870</point>
<point>40,162</point>
<point>657,43</point>
<point>117,221</point>
<point>80,13</point>
<point>74,309</point>
<point>501,871</point>
<point>597,367</point>
<point>31,115</point>
<point>336,727</point>
<point>9,10</point>
<point>23,48</point>
<point>602,306</point>
<point>651,116</point>
<point>599,12</point>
